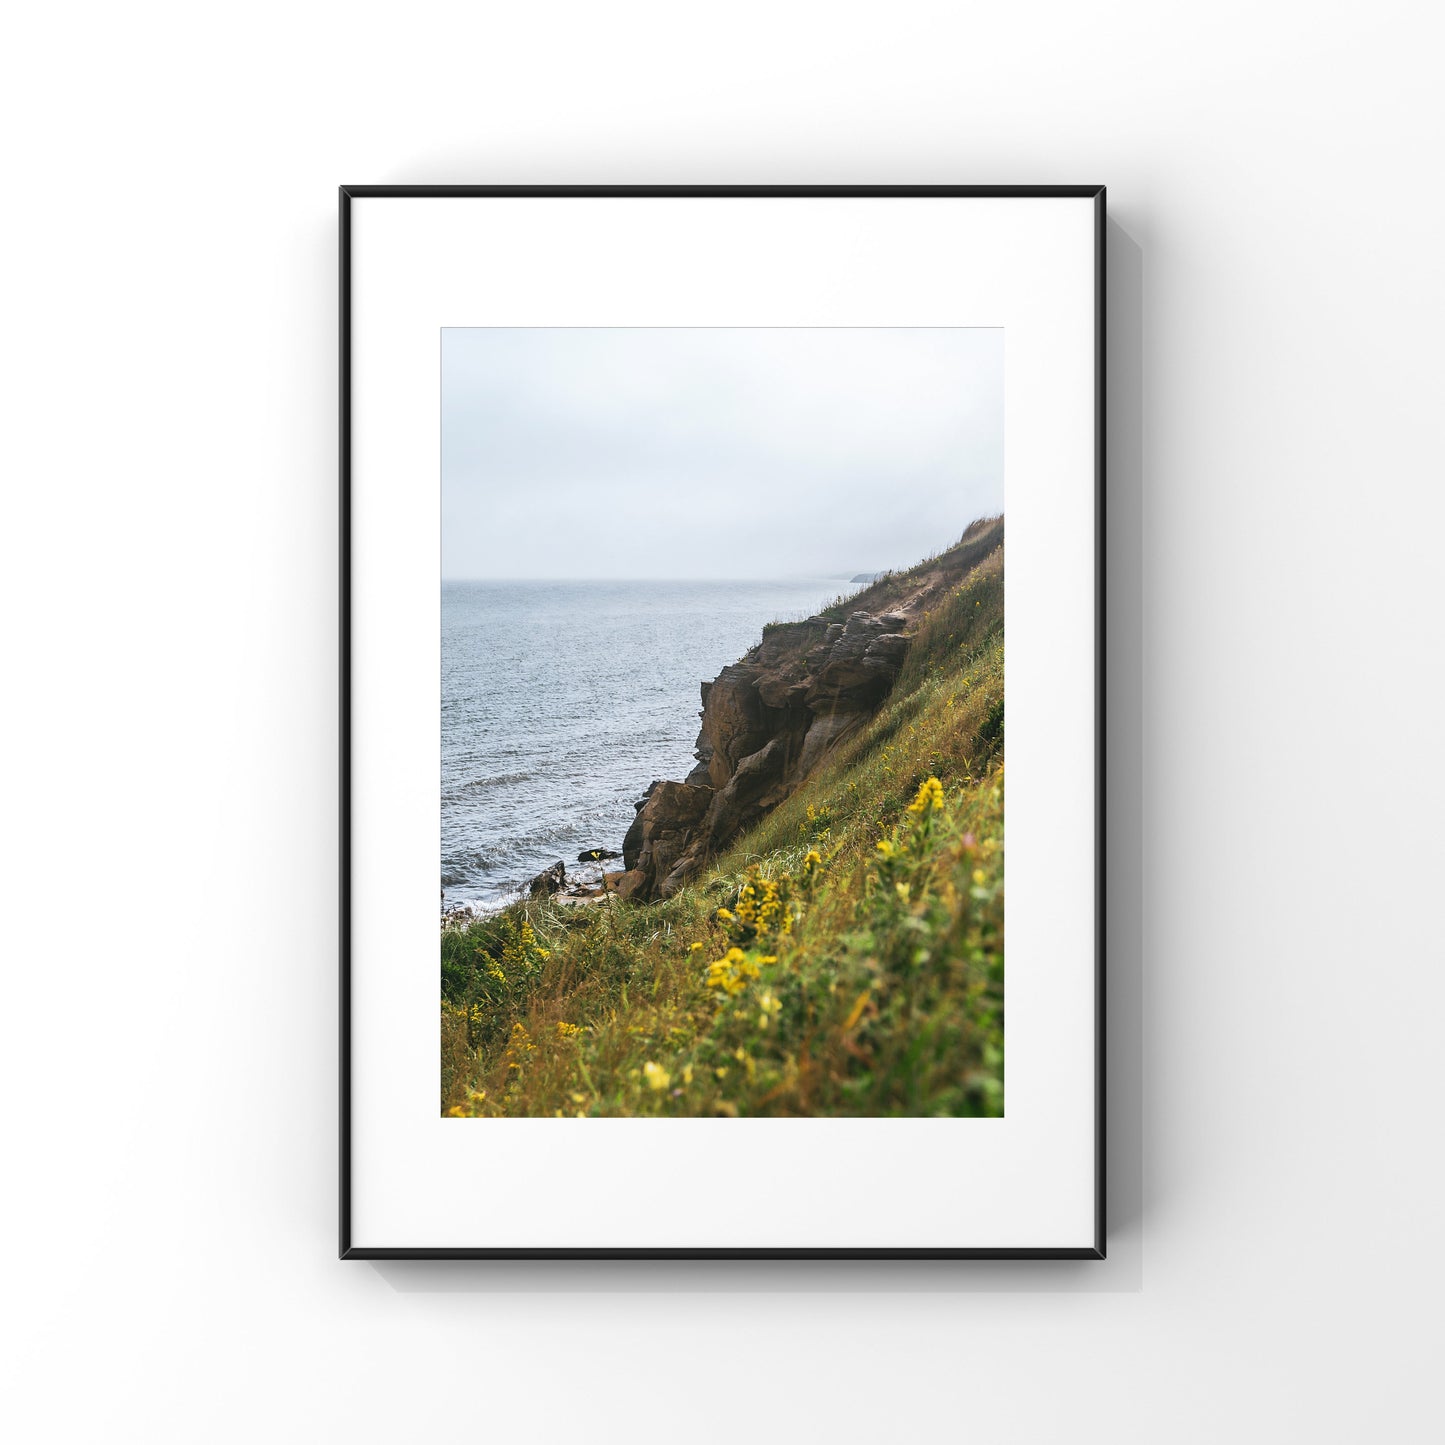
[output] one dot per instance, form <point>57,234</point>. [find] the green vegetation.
<point>845,957</point>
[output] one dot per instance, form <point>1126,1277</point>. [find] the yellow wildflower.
<point>657,1077</point>
<point>731,972</point>
<point>930,795</point>
<point>518,1046</point>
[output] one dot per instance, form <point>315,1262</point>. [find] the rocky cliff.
<point>769,720</point>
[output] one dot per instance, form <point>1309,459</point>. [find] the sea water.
<point>562,701</point>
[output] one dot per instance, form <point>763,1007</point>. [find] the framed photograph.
<point>680,528</point>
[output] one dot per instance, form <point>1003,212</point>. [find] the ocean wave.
<point>459,867</point>
<point>487,785</point>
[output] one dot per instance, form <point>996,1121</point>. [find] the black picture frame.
<point>348,1250</point>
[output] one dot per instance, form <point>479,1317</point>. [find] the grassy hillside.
<point>844,957</point>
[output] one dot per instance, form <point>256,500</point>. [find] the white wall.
<point>168,575</point>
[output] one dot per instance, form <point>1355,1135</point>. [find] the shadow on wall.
<point>1123,1272</point>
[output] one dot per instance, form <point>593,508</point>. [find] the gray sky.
<point>714,452</point>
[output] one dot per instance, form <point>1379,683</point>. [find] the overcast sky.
<point>778,453</point>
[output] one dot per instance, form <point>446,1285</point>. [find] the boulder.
<point>596,855</point>
<point>628,883</point>
<point>549,880</point>
<point>890,645</point>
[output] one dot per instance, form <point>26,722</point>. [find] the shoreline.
<point>589,884</point>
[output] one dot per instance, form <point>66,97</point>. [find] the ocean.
<point>561,701</point>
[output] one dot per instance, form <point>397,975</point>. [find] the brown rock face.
<point>735,722</point>
<point>769,720</point>
<point>825,731</point>
<point>664,829</point>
